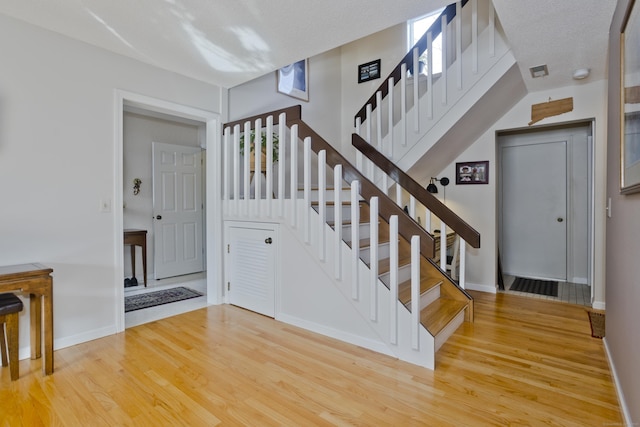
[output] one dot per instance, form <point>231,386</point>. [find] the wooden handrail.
<point>435,29</point>
<point>407,226</point>
<point>464,230</point>
<point>294,112</point>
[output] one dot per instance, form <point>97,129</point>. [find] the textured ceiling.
<point>229,42</point>
<point>565,35</point>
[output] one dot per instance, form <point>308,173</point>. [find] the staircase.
<point>370,237</point>
<point>443,307</point>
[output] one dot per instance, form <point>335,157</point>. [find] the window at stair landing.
<point>416,29</point>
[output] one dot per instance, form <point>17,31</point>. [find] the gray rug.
<point>152,299</point>
<point>535,286</point>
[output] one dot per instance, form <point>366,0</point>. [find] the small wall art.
<point>472,172</point>
<point>293,80</point>
<point>369,71</point>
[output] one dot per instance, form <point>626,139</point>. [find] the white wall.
<point>321,112</point>
<point>140,131</point>
<point>476,204</point>
<point>58,162</point>
<point>390,47</point>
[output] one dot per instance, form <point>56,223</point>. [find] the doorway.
<point>545,193</point>
<point>208,123</point>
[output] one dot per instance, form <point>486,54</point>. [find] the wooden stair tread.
<point>426,284</point>
<point>439,313</point>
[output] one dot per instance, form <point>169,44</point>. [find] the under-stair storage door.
<point>252,250</point>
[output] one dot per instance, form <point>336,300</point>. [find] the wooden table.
<point>35,280</point>
<point>135,237</point>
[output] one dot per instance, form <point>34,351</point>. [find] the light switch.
<point>105,205</point>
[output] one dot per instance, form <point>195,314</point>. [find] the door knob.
<point>158,216</point>
<point>268,240</point>
<point>560,219</point>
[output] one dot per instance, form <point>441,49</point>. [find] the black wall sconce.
<point>432,188</point>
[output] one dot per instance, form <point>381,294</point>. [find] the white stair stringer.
<point>309,296</point>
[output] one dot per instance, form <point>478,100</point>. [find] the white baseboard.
<point>482,288</point>
<point>598,305</point>
<point>616,382</point>
<point>580,280</point>
<point>25,352</point>
<point>376,346</point>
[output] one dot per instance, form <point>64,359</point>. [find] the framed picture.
<point>369,71</point>
<point>293,80</point>
<point>630,100</point>
<point>472,172</point>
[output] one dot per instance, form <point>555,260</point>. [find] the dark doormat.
<point>152,299</point>
<point>596,320</point>
<point>535,286</point>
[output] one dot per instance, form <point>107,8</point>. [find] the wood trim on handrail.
<point>457,224</point>
<point>293,113</point>
<point>406,225</point>
<point>435,29</point>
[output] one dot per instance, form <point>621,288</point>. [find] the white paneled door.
<point>252,267</point>
<point>534,210</point>
<point>177,210</point>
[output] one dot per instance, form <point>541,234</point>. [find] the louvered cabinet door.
<point>252,265</point>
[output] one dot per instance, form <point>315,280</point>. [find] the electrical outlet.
<point>105,205</point>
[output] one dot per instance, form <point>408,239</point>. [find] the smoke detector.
<point>539,71</point>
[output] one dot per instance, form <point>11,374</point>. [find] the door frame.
<point>213,203</point>
<point>591,220</point>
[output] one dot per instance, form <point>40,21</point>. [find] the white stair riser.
<point>384,251</point>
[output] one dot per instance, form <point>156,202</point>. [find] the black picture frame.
<point>472,172</point>
<point>369,71</point>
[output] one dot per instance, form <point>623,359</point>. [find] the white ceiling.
<point>229,42</point>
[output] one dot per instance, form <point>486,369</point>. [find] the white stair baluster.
<point>373,258</point>
<point>358,152</point>
<point>369,163</point>
<point>236,168</point>
<point>282,129</point>
<point>307,190</point>
<point>416,94</point>
<point>294,176</point>
<point>458,20</point>
<point>412,207</point>
<point>355,239</point>
<point>226,145</point>
<point>443,246</point>
<point>390,132</point>
<point>393,280</point>
<point>415,292</point>
<point>247,159</point>
<point>445,48</point>
<point>379,120</point>
<point>474,36</point>
<point>462,276</point>
<point>429,75</point>
<point>269,174</point>
<point>322,203</point>
<point>257,173</point>
<point>337,220</point>
<point>403,104</point>
<point>492,30</point>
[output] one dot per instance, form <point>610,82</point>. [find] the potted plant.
<point>263,149</point>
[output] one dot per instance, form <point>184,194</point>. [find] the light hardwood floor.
<point>523,362</point>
